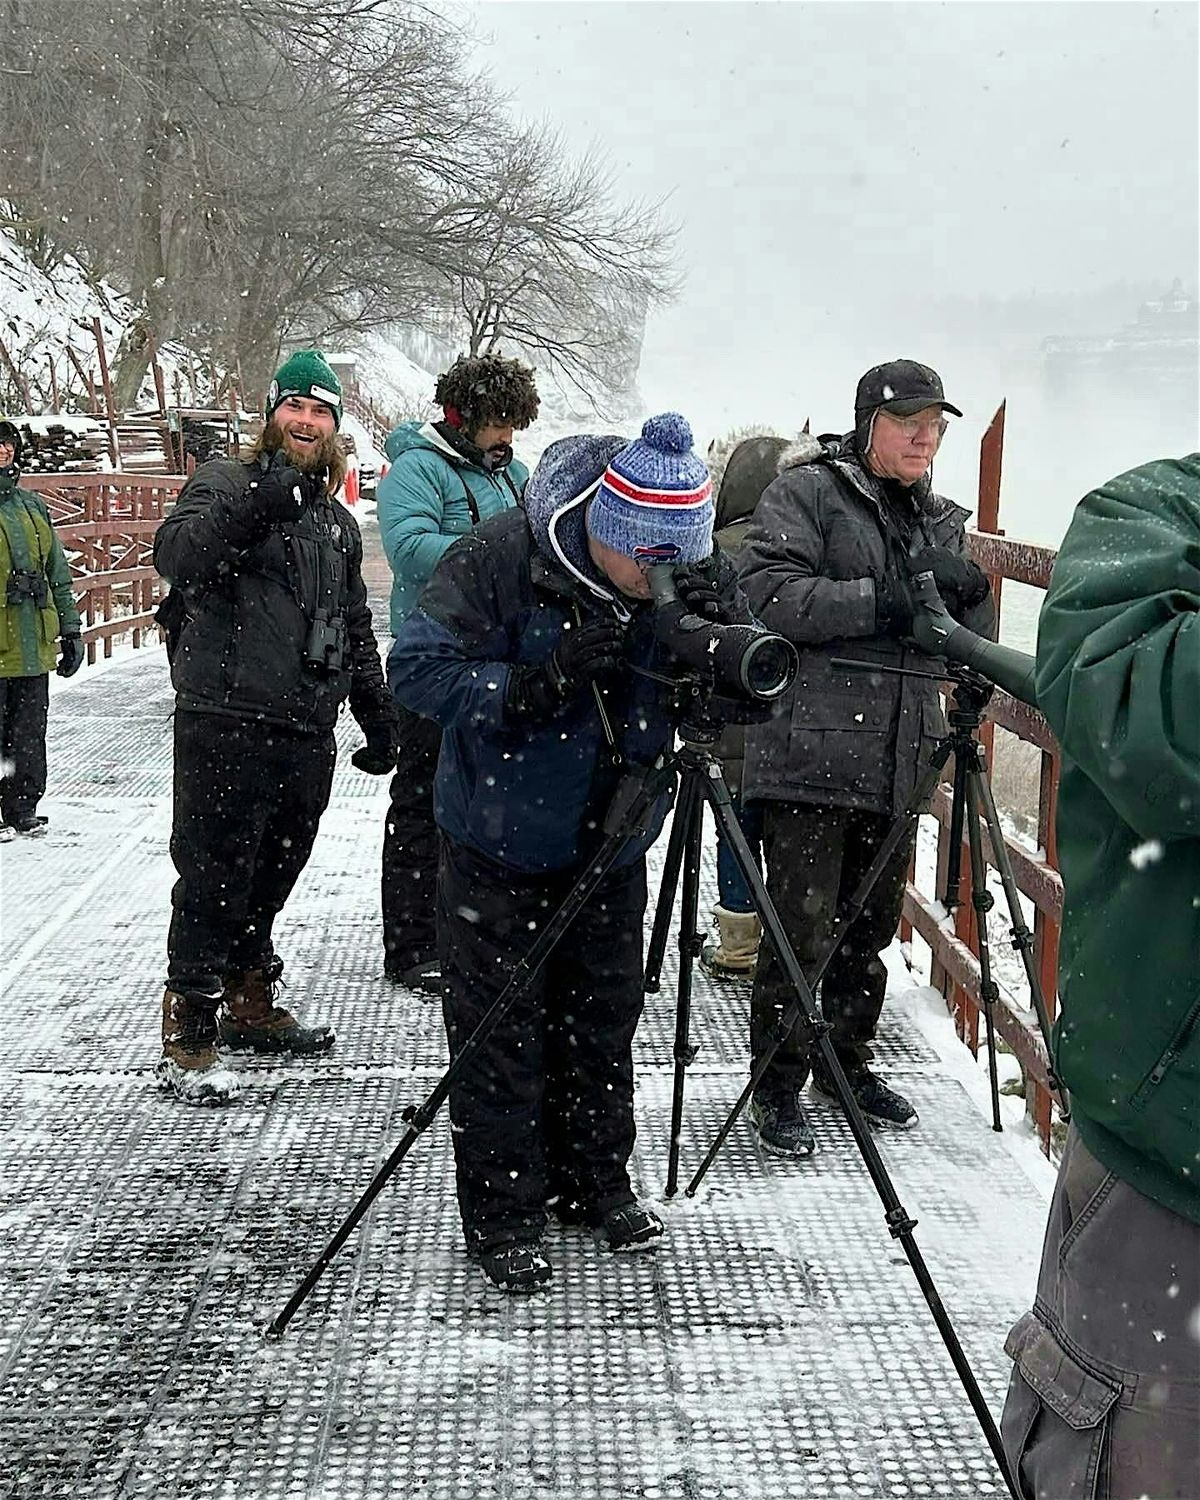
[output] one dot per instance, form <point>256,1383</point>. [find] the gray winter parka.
<point>823,532</point>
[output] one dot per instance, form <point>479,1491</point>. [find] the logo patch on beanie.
<point>660,552</point>
<point>319,393</point>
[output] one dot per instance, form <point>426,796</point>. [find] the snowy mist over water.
<point>956,183</point>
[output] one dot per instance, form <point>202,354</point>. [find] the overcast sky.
<point>836,168</point>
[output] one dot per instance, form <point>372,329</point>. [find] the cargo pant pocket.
<point>1056,1418</point>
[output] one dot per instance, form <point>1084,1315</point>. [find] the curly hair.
<point>486,389</point>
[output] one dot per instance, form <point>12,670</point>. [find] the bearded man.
<point>274,633</point>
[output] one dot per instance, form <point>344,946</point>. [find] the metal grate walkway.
<point>777,1345</point>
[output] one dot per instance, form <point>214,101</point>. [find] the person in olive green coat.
<point>1105,1394</point>
<point>37,610</point>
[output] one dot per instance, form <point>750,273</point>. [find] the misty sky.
<point>839,170</point>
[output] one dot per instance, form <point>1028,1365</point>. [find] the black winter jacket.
<point>824,531</point>
<point>253,589</point>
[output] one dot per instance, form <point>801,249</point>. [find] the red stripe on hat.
<point>639,495</point>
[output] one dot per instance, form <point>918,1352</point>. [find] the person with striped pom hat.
<point>524,647</point>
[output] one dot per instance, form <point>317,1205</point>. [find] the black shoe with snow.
<point>518,1266</point>
<point>880,1104</point>
<point>630,1228</point>
<point>30,824</point>
<point>425,976</point>
<point>778,1117</point>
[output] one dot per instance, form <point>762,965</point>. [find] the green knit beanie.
<point>306,373</point>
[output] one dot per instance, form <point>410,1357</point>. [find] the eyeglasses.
<point>915,427</point>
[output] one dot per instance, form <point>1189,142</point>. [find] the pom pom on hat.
<point>655,501</point>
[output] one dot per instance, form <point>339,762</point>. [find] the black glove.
<point>894,606</point>
<point>378,756</point>
<point>960,582</point>
<point>699,593</point>
<point>72,656</point>
<point>587,653</point>
<point>282,493</point>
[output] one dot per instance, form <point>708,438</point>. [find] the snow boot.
<point>778,1117</point>
<point>736,956</point>
<point>518,1266</point>
<point>424,976</point>
<point>250,1020</point>
<point>630,1228</point>
<point>7,833</point>
<point>881,1105</point>
<point>190,1066</point>
<point>31,825</point>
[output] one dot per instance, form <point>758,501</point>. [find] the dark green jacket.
<point>28,631</point>
<point>1118,677</point>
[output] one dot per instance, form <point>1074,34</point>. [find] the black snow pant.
<point>24,704</point>
<point>816,857</point>
<point>248,801</point>
<point>410,849</point>
<point>544,1110</point>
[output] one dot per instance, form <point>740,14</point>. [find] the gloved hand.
<point>699,593</point>
<point>586,654</point>
<point>960,582</point>
<point>283,491</point>
<point>894,606</point>
<point>378,756</point>
<point>72,656</point>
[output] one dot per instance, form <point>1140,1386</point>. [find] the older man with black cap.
<point>828,563</point>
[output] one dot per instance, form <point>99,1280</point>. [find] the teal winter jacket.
<point>1118,677</point>
<point>423,506</point>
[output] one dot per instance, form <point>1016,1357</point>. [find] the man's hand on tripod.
<point>962,583</point>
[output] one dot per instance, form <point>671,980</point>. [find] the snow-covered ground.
<point>775,1347</point>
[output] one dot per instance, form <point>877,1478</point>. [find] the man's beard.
<point>315,458</point>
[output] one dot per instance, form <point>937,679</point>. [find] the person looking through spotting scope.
<point>272,633</point>
<point>836,539</point>
<point>530,646</point>
<point>1105,1392</point>
<point>445,478</point>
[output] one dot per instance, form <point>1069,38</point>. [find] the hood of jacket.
<point>556,499</point>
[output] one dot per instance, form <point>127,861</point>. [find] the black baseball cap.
<point>901,386</point>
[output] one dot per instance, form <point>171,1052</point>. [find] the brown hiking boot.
<point>190,1067</point>
<point>250,1020</point>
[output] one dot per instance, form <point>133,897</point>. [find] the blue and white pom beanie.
<point>655,500</point>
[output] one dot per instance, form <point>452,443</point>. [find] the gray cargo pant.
<point>1105,1396</point>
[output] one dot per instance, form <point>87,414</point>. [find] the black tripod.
<point>701,781</point>
<point>971,794</point>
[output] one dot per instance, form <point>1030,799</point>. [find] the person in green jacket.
<point>37,611</point>
<point>1105,1395</point>
<point>445,478</point>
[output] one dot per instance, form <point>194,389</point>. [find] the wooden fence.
<point>106,523</point>
<point>955,943</point>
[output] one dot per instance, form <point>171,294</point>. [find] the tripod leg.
<point>631,802</point>
<point>1022,939</point>
<point>713,790</point>
<point>690,809</point>
<point>900,1224</point>
<point>981,900</point>
<point>652,977</point>
<point>950,898</point>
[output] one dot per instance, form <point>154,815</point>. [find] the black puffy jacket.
<point>253,588</point>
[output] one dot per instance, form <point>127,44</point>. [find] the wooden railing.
<point>954,941</point>
<point>106,523</point>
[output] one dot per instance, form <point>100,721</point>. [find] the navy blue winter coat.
<point>529,796</point>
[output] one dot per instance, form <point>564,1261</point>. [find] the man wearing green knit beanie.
<point>306,373</point>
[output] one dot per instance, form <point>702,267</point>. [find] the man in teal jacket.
<point>445,478</point>
<point>1105,1395</point>
<point>37,615</point>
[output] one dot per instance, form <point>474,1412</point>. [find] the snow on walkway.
<point>776,1346</point>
